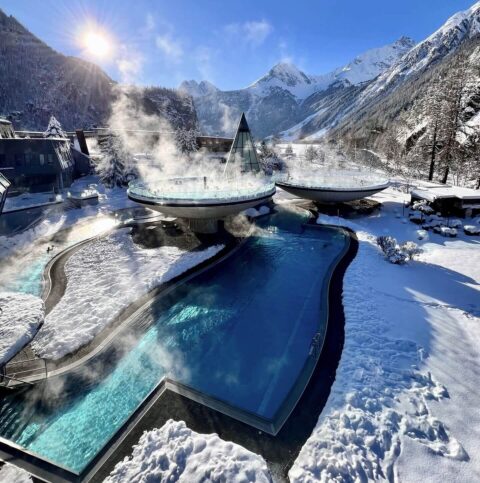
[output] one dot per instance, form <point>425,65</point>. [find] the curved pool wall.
<point>240,333</point>
<point>329,186</point>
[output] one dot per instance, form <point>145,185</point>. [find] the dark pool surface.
<point>241,332</point>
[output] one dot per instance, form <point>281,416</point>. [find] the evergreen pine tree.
<point>54,129</point>
<point>115,168</point>
<point>289,150</point>
<point>311,153</point>
<point>186,140</point>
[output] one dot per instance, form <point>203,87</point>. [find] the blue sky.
<point>230,43</point>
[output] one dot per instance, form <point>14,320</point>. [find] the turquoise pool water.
<point>29,280</point>
<point>240,332</point>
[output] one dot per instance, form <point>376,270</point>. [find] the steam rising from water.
<point>149,139</point>
<point>327,166</point>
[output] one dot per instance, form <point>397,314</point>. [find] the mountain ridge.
<point>279,99</point>
<point>434,49</point>
<point>38,82</point>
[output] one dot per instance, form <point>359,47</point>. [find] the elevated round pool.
<point>201,197</point>
<point>332,186</point>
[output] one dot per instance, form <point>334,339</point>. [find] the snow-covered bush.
<point>422,206</point>
<point>433,222</point>
<point>471,230</point>
<point>54,129</point>
<point>395,253</point>
<point>422,234</point>
<point>386,243</point>
<point>455,223</point>
<point>445,231</point>
<point>411,249</point>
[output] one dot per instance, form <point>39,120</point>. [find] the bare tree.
<point>432,110</point>
<point>451,108</point>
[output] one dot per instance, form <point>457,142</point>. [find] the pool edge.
<point>50,471</point>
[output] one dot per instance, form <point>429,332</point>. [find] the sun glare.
<point>96,43</point>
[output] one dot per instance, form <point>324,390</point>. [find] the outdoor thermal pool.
<point>240,332</point>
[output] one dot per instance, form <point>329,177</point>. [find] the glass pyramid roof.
<point>242,152</point>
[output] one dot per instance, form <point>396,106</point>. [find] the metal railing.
<point>200,189</point>
<point>332,179</point>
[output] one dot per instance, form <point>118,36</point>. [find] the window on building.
<point>42,159</point>
<point>3,160</point>
<point>50,158</point>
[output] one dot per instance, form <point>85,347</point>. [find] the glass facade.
<point>243,151</point>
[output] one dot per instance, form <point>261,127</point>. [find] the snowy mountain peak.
<point>196,89</point>
<point>458,28</point>
<point>405,41</point>
<point>286,76</point>
<point>373,62</point>
<point>287,73</point>
<point>467,20</point>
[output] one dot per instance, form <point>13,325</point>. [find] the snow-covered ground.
<point>103,278</point>
<point>12,474</point>
<point>24,255</point>
<point>28,200</point>
<point>176,453</point>
<point>61,217</point>
<point>404,405</point>
<point>20,316</point>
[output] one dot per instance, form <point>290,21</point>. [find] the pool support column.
<point>203,225</point>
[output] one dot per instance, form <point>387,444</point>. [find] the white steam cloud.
<point>150,140</point>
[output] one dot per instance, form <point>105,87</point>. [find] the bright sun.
<point>96,44</point>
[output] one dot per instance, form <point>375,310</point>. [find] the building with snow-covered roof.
<point>36,165</point>
<point>449,200</point>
